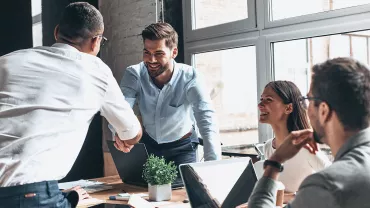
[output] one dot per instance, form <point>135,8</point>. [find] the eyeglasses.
<point>305,100</point>
<point>103,39</point>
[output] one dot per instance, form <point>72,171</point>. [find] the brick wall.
<point>124,20</point>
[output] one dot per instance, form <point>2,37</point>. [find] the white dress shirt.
<point>48,97</point>
<point>299,167</point>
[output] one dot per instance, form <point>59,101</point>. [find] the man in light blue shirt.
<point>168,93</point>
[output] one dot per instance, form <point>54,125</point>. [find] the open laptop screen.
<point>208,184</point>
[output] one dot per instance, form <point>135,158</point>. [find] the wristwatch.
<point>274,164</point>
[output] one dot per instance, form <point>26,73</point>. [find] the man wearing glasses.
<point>48,97</point>
<point>339,112</point>
<point>169,96</point>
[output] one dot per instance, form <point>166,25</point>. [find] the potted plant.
<point>159,175</point>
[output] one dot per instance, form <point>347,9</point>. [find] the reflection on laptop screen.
<point>213,183</point>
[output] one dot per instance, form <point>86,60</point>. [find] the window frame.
<point>312,17</point>
<point>229,28</point>
<point>267,32</point>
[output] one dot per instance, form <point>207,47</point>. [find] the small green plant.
<point>158,172</point>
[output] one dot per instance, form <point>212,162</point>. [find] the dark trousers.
<point>41,195</point>
<point>180,151</point>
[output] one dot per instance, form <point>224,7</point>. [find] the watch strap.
<point>274,164</point>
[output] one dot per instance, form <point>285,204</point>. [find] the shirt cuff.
<point>127,133</point>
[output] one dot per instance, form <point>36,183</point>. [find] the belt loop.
<point>48,188</point>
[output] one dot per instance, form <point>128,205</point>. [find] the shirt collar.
<point>362,137</point>
<point>65,46</point>
<point>174,74</point>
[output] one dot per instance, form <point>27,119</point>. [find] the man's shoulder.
<point>136,69</point>
<point>19,52</point>
<point>340,174</point>
<point>188,73</point>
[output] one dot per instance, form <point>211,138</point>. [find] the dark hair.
<point>344,84</point>
<point>290,93</point>
<point>159,31</point>
<point>80,21</point>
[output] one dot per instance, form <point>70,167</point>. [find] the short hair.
<point>159,31</point>
<point>344,84</point>
<point>290,93</point>
<point>79,21</point>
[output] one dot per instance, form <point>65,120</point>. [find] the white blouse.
<point>299,167</point>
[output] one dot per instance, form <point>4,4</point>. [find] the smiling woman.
<point>281,107</point>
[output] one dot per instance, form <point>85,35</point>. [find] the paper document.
<point>136,201</point>
<point>90,202</point>
<point>89,185</point>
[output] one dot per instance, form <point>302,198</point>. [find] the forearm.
<point>212,147</point>
<point>210,134</point>
<point>264,193</point>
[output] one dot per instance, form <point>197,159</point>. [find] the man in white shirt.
<point>48,97</point>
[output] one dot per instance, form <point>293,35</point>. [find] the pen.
<point>118,198</point>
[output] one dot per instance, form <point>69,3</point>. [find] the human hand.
<point>293,143</point>
<point>122,145</point>
<point>82,194</point>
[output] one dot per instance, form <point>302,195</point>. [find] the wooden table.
<point>178,196</point>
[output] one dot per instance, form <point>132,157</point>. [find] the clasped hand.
<point>293,143</point>
<point>122,145</point>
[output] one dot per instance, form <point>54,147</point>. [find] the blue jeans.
<point>41,195</point>
<point>180,151</point>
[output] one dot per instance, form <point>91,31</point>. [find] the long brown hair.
<point>290,93</point>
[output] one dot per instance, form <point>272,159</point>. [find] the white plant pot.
<point>160,192</point>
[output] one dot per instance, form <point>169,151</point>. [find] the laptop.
<point>130,165</point>
<point>219,184</point>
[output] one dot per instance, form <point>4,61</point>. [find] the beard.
<point>317,138</point>
<point>156,73</point>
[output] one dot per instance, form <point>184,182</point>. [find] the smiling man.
<point>339,112</point>
<point>168,93</point>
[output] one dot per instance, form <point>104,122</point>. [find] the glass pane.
<point>215,12</point>
<point>36,7</point>
<point>282,9</point>
<point>293,60</point>
<point>233,88</point>
<point>37,34</point>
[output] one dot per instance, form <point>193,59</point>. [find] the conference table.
<point>179,197</point>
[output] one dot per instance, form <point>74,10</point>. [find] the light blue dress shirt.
<point>167,112</point>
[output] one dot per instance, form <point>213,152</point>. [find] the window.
<point>37,34</point>
<point>293,60</point>
<point>230,76</point>
<point>216,18</point>
<point>36,23</point>
<point>285,37</point>
<point>282,9</point>
<point>216,12</point>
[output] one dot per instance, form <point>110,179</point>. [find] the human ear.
<point>289,108</point>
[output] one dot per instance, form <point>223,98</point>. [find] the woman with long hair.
<point>281,107</point>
